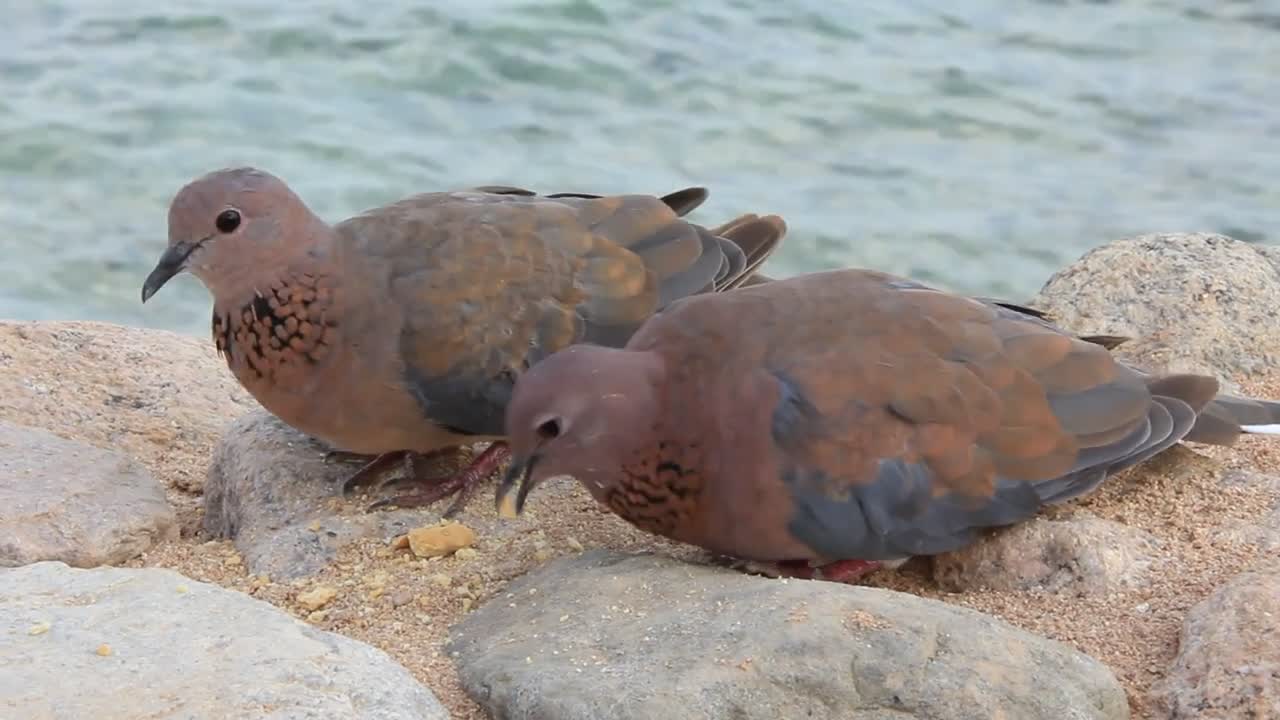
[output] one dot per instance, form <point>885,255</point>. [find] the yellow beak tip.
<point>507,507</point>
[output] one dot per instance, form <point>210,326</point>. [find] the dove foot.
<point>374,471</point>
<point>463,483</point>
<point>841,571</point>
<point>345,456</point>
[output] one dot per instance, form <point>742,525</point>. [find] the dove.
<point>398,333</point>
<point>834,423</point>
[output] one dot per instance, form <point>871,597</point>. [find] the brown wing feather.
<point>489,283</point>
<point>904,419</point>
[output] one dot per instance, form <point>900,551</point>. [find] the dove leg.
<point>463,483</point>
<point>374,471</point>
<point>846,571</point>
<point>841,571</point>
<point>345,456</point>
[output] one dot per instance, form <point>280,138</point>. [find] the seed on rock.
<point>440,540</point>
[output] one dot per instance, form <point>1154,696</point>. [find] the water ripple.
<point>972,147</point>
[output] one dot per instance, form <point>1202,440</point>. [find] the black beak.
<point>172,262</point>
<point>521,469</point>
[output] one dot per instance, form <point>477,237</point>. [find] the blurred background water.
<point>978,147</point>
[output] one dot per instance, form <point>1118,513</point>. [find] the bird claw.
<point>375,468</point>
<point>463,484</point>
<point>840,571</point>
<point>343,456</point>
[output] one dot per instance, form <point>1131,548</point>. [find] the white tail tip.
<point>1271,429</point>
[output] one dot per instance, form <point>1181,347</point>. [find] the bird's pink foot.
<point>463,483</point>
<point>841,571</point>
<point>374,468</point>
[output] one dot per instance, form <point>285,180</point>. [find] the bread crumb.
<point>317,597</point>
<point>440,540</point>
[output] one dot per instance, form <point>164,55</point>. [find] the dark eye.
<point>228,221</point>
<point>549,429</point>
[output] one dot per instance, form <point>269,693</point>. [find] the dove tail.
<point>1220,419</point>
<point>1226,416</point>
<point>756,238</point>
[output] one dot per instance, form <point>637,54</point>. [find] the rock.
<point>1228,663</point>
<point>270,490</point>
<point>130,645</point>
<point>1082,554</point>
<point>317,597</point>
<point>83,505</point>
<point>160,397</point>
<point>608,636</point>
<point>1246,478</point>
<point>440,540</point>
<point>1190,302</point>
<point>1263,534</point>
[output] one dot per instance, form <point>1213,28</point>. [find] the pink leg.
<point>463,483</point>
<point>376,468</point>
<point>841,571</point>
<point>846,571</point>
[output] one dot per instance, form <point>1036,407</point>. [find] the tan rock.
<point>1228,663</point>
<point>66,500</point>
<point>158,396</point>
<point>440,540</point>
<point>1081,554</point>
<point>1189,302</point>
<point>317,597</point>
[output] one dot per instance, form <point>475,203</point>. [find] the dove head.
<point>582,412</point>
<point>228,226</point>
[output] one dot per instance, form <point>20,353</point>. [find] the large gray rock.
<point>604,636</point>
<point>1228,663</point>
<point>68,501</point>
<point>1078,555</point>
<point>270,490</point>
<point>1190,302</point>
<point>132,644</point>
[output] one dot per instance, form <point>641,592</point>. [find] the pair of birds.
<point>828,424</point>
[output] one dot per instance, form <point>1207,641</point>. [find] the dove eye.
<point>549,429</point>
<point>227,221</point>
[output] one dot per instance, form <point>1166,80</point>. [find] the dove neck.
<point>251,270</point>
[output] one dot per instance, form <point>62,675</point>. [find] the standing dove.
<point>833,423</point>
<point>398,333</point>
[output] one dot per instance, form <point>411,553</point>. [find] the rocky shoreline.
<point>161,531</point>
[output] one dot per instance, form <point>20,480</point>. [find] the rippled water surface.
<point>975,147</point>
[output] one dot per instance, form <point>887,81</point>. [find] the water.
<point>974,148</point>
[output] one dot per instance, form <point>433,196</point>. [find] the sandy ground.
<point>405,605</point>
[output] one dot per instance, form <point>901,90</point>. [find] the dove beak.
<point>172,262</point>
<point>521,471</point>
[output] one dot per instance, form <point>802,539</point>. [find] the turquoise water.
<point>979,147</point>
